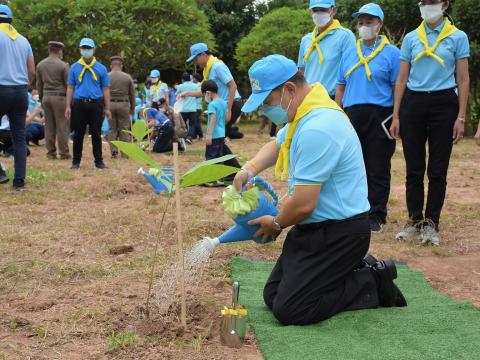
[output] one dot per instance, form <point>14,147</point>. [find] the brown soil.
<point>63,295</point>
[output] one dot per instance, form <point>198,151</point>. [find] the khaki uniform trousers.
<point>120,121</point>
<point>57,127</point>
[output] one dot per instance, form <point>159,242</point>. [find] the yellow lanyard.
<point>448,29</point>
<point>9,30</point>
<point>317,98</point>
<point>316,40</point>
<point>365,60</point>
<point>211,60</point>
<point>86,67</point>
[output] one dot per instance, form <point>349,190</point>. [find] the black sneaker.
<point>18,184</point>
<point>189,140</point>
<point>376,226</point>
<point>75,166</point>
<point>3,176</point>
<point>101,165</point>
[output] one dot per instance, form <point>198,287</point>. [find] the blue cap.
<point>265,75</point>
<point>196,50</point>
<point>370,9</point>
<point>324,4</point>
<point>155,74</point>
<point>87,42</point>
<point>4,9</point>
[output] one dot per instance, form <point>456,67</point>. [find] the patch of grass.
<point>41,332</point>
<point>121,341</point>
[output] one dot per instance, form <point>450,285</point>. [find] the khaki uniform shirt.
<point>121,86</point>
<point>52,75</point>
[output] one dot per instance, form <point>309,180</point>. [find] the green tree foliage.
<point>294,4</point>
<point>278,32</point>
<point>230,20</point>
<point>149,33</point>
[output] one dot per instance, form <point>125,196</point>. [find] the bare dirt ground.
<point>66,293</point>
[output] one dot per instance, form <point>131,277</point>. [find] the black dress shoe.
<point>389,294</point>
<point>75,166</point>
<point>18,184</point>
<point>101,165</point>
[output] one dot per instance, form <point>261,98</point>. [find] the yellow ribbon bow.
<point>239,312</point>
<point>316,40</point>
<point>86,67</point>
<point>448,29</point>
<point>317,98</point>
<point>365,60</point>
<point>9,30</point>
<point>211,60</point>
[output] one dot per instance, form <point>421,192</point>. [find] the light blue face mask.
<point>276,113</point>
<point>86,53</point>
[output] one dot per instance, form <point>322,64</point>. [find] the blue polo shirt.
<point>325,151</point>
<point>159,117</point>
<point>160,93</point>
<point>88,88</point>
<point>217,107</point>
<point>13,60</point>
<point>333,46</point>
<point>427,74</point>
<point>379,90</point>
<point>190,102</point>
<point>222,76</point>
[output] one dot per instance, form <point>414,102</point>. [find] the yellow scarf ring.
<point>86,67</point>
<point>365,60</point>
<point>211,60</point>
<point>9,30</point>
<point>448,29</point>
<point>316,39</point>
<point>317,98</point>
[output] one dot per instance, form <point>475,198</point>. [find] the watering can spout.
<point>237,233</point>
<point>157,185</point>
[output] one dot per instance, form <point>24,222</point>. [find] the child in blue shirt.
<point>215,135</point>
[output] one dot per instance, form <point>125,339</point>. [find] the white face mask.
<point>208,97</point>
<point>431,13</point>
<point>154,80</point>
<point>367,32</point>
<point>86,53</point>
<point>321,18</point>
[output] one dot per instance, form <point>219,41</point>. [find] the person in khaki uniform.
<point>52,75</point>
<point>123,103</point>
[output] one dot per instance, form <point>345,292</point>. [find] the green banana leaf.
<point>139,130</point>
<point>135,153</point>
<point>210,162</point>
<point>203,173</point>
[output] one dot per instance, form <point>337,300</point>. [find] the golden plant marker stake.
<point>183,311</point>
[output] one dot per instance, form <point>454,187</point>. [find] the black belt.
<point>439,92</point>
<point>118,101</point>
<point>89,100</point>
<point>321,224</point>
<point>14,87</point>
<point>54,93</point>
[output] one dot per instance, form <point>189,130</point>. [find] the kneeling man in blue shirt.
<point>324,267</point>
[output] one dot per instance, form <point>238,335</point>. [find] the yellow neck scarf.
<point>317,98</point>
<point>86,67</point>
<point>211,60</point>
<point>9,30</point>
<point>316,40</point>
<point>154,88</point>
<point>448,29</point>
<point>365,60</point>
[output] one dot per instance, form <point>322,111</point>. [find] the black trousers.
<point>377,151</point>
<point>164,139</point>
<point>232,131</point>
<point>83,114</point>
<point>191,120</point>
<point>427,117</point>
<point>320,272</point>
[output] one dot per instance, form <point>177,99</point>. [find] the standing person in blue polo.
<point>17,71</point>
<point>216,70</point>
<point>431,98</point>
<point>321,51</point>
<point>366,81</point>
<point>158,90</point>
<point>189,107</point>
<point>323,268</point>
<point>88,102</point>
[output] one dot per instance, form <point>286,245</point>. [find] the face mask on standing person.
<point>368,32</point>
<point>208,97</point>
<point>86,53</point>
<point>431,13</point>
<point>321,18</point>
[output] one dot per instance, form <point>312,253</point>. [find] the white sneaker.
<point>408,233</point>
<point>429,234</point>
